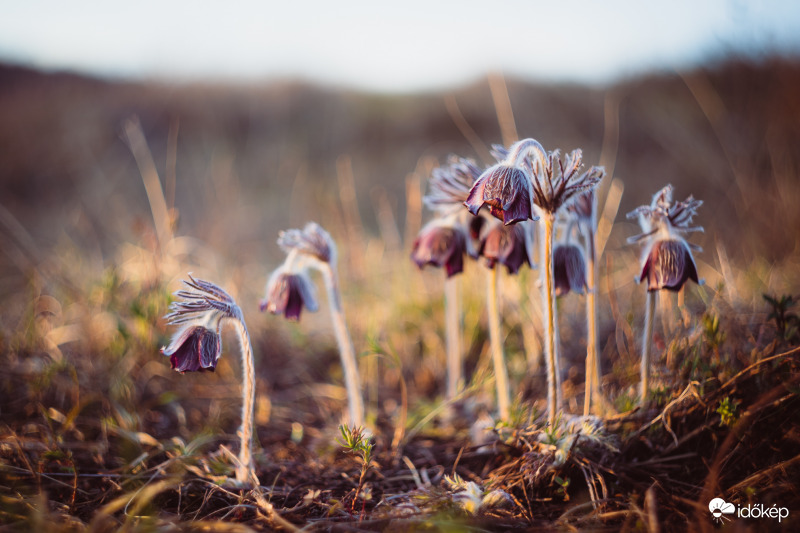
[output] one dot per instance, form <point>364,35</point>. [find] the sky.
<point>413,45</point>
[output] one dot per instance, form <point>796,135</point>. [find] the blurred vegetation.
<point>92,250</point>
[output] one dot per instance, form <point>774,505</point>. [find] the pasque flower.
<point>449,186</point>
<point>569,269</point>
<point>442,243</point>
<point>668,265</point>
<point>506,189</point>
<point>194,348</point>
<point>197,346</point>
<point>505,245</point>
<point>667,261</point>
<point>289,289</point>
<point>553,183</point>
<point>288,293</point>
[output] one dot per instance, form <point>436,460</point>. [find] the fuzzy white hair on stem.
<point>200,312</point>
<point>667,261</point>
<point>313,248</point>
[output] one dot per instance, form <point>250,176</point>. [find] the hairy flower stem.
<point>592,395</point>
<point>500,372</point>
<point>346,350</point>
<point>649,315</point>
<point>245,471</point>
<point>550,316</point>
<point>452,336</point>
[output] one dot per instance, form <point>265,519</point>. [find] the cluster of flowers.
<point>527,184</point>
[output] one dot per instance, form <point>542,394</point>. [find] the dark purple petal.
<point>519,208</point>
<point>505,190</point>
<point>195,348</point>
<point>668,265</point>
<point>475,226</point>
<point>287,294</point>
<point>569,269</point>
<point>294,304</point>
<point>505,245</point>
<point>440,246</point>
<point>474,200</point>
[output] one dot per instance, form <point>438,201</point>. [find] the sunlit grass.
<point>98,434</point>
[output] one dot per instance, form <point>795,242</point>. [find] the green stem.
<point>500,372</point>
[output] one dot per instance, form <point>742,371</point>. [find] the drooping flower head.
<point>667,261</point>
<point>197,344</point>
<point>555,182</point>
<point>289,287</point>
<point>288,292</point>
<point>583,209</point>
<point>312,242</point>
<point>506,245</point>
<point>442,243</point>
<point>569,269</point>
<point>506,189</point>
<point>193,349</point>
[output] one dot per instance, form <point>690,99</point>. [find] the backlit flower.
<point>668,265</point>
<point>569,269</point>
<point>667,261</point>
<point>197,344</point>
<point>506,189</point>
<point>312,242</point>
<point>555,182</point>
<point>194,348</point>
<point>442,243</point>
<point>505,245</point>
<point>288,293</point>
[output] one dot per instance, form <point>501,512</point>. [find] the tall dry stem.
<point>649,315</point>
<point>592,394</point>
<point>548,291</point>
<point>452,337</point>
<point>245,471</point>
<point>500,371</point>
<point>345,343</point>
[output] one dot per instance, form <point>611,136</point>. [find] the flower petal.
<point>441,246</point>
<point>668,265</point>
<point>569,269</point>
<point>194,348</point>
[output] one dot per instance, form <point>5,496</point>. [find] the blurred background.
<point>142,142</point>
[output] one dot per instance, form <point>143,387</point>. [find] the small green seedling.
<point>727,411</point>
<point>787,323</point>
<point>355,442</point>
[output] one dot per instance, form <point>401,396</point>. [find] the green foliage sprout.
<point>357,443</point>
<point>787,323</point>
<point>727,411</point>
